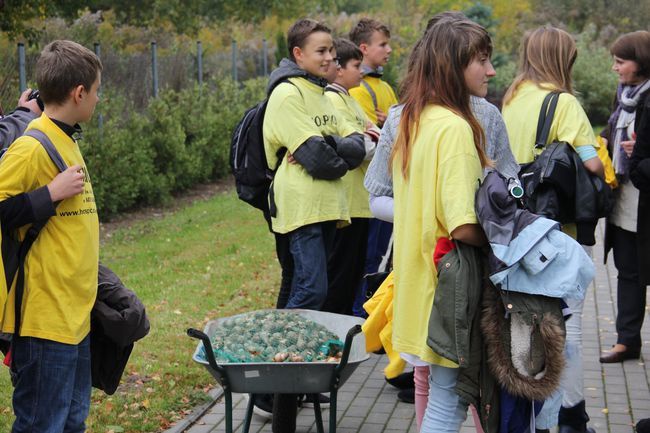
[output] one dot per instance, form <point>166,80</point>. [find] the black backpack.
<point>14,252</point>
<point>248,164</point>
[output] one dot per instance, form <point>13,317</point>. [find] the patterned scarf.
<point>622,122</point>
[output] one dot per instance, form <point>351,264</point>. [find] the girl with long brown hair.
<point>437,162</point>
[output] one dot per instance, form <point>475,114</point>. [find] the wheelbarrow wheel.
<point>285,411</point>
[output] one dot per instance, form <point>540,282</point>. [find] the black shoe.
<point>643,426</point>
<point>262,405</point>
<point>613,357</point>
<point>542,430</point>
<point>569,429</point>
<point>407,395</point>
<point>403,381</point>
<point>307,400</point>
<point>574,419</point>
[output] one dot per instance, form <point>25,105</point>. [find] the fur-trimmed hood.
<point>525,353</point>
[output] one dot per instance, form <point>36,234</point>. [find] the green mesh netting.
<point>274,336</point>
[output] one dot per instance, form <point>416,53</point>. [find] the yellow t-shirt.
<point>384,93</point>
<point>61,266</point>
<point>295,112</point>
<point>351,111</point>
<point>570,122</point>
<point>438,197</point>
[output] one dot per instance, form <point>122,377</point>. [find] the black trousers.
<point>286,263</point>
<point>631,294</point>
<point>345,266</point>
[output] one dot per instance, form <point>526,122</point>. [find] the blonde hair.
<point>436,75</point>
<point>546,56</point>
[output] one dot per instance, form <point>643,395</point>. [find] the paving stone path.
<point>617,395</point>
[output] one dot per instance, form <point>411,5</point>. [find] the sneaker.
<point>407,395</point>
<point>262,405</point>
<point>307,400</point>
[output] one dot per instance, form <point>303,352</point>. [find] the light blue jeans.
<point>571,390</point>
<point>445,411</point>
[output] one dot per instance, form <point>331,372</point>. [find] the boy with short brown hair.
<point>50,349</point>
<point>375,95</point>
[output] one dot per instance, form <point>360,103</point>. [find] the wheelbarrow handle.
<point>352,332</point>
<point>207,345</point>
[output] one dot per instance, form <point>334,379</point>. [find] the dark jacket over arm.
<point>320,159</point>
<point>118,320</point>
<point>26,208</point>
<point>350,148</point>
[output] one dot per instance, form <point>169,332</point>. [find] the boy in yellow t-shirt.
<point>51,348</point>
<point>375,97</point>
<point>347,260</point>
<point>315,147</point>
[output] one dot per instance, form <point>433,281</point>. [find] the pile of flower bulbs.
<point>274,336</point>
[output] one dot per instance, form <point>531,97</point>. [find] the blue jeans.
<point>445,411</point>
<point>571,390</point>
<point>52,393</point>
<point>379,233</point>
<point>310,247</point>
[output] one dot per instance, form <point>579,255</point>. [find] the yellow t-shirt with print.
<point>570,122</point>
<point>61,266</point>
<point>438,196</point>
<point>295,112</point>
<point>384,93</point>
<point>352,112</point>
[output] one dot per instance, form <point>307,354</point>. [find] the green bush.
<point>594,80</point>
<point>181,139</point>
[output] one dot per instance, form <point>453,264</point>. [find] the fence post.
<point>22,76</point>
<point>234,60</point>
<point>100,116</point>
<point>265,57</point>
<point>154,68</point>
<point>199,64</point>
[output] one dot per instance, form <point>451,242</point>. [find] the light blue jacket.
<point>529,253</point>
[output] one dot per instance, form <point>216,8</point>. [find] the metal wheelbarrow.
<point>286,377</point>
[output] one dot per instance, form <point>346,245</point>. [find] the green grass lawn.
<point>209,259</point>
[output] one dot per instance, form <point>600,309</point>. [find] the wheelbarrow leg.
<point>333,395</point>
<point>228,396</point>
<point>249,413</point>
<point>317,413</point>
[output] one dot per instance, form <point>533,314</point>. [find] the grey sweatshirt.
<point>378,179</point>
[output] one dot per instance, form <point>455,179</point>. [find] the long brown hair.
<point>437,76</point>
<point>546,56</point>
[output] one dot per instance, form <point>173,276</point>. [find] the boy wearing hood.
<point>307,198</point>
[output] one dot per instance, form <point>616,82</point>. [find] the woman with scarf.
<point>628,227</point>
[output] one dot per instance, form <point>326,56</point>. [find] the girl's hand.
<point>291,159</point>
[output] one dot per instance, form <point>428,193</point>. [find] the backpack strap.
<point>373,95</point>
<point>35,229</point>
<point>545,119</point>
<point>47,144</point>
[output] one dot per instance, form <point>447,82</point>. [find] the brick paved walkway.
<point>617,395</point>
